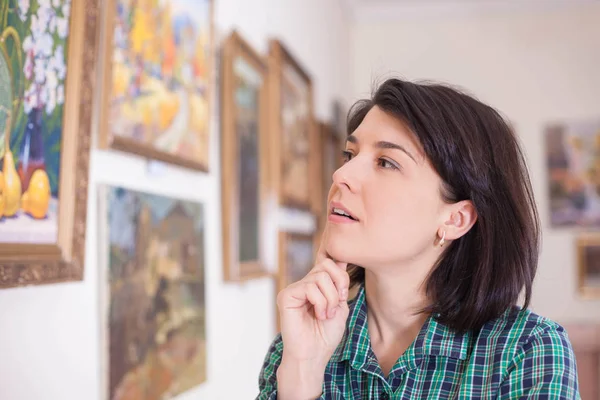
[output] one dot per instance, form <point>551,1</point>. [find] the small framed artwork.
<point>293,131</point>
<point>573,163</point>
<point>331,160</point>
<point>243,159</point>
<point>47,64</point>
<point>588,248</point>
<point>331,156</point>
<point>296,259</point>
<point>158,80</point>
<point>152,297</point>
<point>339,121</point>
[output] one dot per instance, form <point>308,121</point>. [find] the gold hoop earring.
<point>443,239</point>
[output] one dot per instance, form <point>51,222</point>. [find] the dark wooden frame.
<point>279,58</point>
<point>236,47</point>
<point>36,264</point>
<point>108,140</point>
<point>586,240</point>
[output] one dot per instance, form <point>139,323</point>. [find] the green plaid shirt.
<point>517,356</point>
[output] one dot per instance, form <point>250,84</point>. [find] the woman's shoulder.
<point>518,332</point>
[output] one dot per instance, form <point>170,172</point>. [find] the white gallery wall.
<point>535,65</point>
<point>49,335</point>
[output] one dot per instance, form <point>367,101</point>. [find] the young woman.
<point>432,217</point>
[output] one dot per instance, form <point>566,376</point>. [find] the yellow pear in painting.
<point>37,197</point>
<point>12,183</point>
<point>1,194</point>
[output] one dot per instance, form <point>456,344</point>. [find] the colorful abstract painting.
<point>573,162</point>
<point>34,38</point>
<point>155,306</point>
<point>161,76</point>
<point>247,86</point>
<point>295,145</point>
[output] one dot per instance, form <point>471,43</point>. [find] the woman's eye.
<point>383,163</point>
<point>347,156</point>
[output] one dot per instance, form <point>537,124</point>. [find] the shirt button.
<point>384,396</point>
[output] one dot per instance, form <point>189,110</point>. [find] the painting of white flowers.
<point>33,72</point>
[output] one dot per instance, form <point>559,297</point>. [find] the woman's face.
<point>391,191</point>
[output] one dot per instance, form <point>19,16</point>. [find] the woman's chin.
<point>339,250</point>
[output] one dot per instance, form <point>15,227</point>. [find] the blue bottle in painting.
<point>31,156</point>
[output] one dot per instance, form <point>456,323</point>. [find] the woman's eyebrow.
<point>384,145</point>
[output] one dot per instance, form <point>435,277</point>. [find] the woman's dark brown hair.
<point>478,158</point>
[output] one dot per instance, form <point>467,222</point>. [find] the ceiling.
<point>386,10</point>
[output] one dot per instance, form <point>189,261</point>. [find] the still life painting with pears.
<point>33,67</point>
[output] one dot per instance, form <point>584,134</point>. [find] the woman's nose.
<point>347,176</point>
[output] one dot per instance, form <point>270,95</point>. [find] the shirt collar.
<point>434,339</point>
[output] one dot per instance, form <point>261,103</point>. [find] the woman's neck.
<point>394,301</point>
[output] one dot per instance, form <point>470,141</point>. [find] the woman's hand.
<point>313,313</point>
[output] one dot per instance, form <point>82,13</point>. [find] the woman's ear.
<point>461,219</point>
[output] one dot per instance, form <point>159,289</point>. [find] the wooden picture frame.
<point>588,253</point>
<point>244,160</point>
<point>176,115</point>
<point>293,159</point>
<point>23,264</point>
<point>300,248</point>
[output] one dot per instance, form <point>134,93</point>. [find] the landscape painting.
<point>244,160</point>
<point>34,42</point>
<point>158,94</point>
<point>573,162</point>
<point>154,307</point>
<point>248,84</point>
<point>295,145</point>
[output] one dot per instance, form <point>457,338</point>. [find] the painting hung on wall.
<point>158,79</point>
<point>339,121</point>
<point>573,161</point>
<point>153,302</point>
<point>294,132</point>
<point>243,159</point>
<point>296,258</point>
<point>46,82</point>
<point>589,265</point>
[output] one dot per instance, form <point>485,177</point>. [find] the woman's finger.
<point>328,289</point>
<point>317,299</point>
<point>339,276</point>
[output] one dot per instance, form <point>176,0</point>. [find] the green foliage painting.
<point>33,70</point>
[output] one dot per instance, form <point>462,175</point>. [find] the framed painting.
<point>46,89</point>
<point>573,163</point>
<point>293,131</point>
<point>296,258</point>
<point>152,263</point>
<point>158,79</point>
<point>588,249</point>
<point>243,159</point>
<point>331,159</point>
<point>339,121</point>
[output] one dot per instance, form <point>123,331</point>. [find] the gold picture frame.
<point>244,160</point>
<point>178,117</point>
<point>24,264</point>
<point>588,253</point>
<point>294,159</point>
